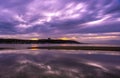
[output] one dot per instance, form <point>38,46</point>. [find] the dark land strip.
<point>78,48</point>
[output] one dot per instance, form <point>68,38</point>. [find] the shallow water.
<point>38,63</point>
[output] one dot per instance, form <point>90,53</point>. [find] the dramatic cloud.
<point>59,18</point>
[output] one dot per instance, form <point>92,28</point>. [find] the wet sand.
<point>79,48</point>
<point>59,64</point>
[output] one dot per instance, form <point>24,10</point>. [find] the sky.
<point>91,21</point>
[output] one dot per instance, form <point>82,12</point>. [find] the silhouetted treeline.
<point>42,41</point>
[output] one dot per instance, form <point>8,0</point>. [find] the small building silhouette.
<point>49,39</point>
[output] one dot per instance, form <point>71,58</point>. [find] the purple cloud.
<point>59,17</point>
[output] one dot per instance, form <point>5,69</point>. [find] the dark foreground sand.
<point>79,48</point>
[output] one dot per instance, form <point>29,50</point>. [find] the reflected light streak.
<point>34,47</point>
<point>97,65</point>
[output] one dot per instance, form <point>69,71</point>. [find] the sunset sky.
<point>92,21</point>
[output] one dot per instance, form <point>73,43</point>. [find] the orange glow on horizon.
<point>64,38</point>
<point>34,39</point>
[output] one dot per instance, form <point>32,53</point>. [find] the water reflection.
<point>58,64</point>
<point>34,47</point>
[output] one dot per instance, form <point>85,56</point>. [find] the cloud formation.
<point>53,18</point>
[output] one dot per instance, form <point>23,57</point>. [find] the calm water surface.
<point>38,63</point>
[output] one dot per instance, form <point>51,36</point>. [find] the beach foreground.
<point>78,48</point>
<point>40,63</point>
<point>59,61</point>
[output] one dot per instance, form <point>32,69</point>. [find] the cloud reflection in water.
<point>57,64</point>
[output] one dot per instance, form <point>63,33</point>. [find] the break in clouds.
<point>82,19</point>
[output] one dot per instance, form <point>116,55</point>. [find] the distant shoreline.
<point>40,41</point>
